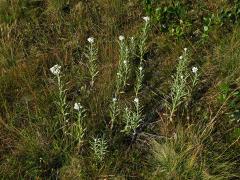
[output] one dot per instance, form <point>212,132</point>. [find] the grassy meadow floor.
<point>120,89</point>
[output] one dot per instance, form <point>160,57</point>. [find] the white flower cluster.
<point>146,18</point>
<point>136,100</point>
<point>114,99</point>
<point>194,70</point>
<point>90,40</point>
<point>56,69</point>
<point>121,37</point>
<point>77,106</point>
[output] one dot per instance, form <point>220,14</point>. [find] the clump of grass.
<point>73,170</point>
<point>183,156</point>
<point>11,48</point>
<point>55,7</point>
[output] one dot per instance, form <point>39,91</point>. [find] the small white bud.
<point>140,68</point>
<point>125,62</point>
<point>185,49</point>
<point>114,99</point>
<point>181,57</point>
<point>205,28</point>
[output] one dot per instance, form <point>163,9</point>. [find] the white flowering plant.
<point>181,89</point>
<point>195,75</point>
<point>132,118</point>
<point>91,55</point>
<point>143,38</point>
<point>114,111</point>
<point>132,47</point>
<point>56,70</point>
<point>124,65</point>
<point>61,100</point>
<point>77,128</point>
<point>99,147</point>
<point>139,80</point>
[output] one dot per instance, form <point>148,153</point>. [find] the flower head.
<point>136,100</point>
<point>77,106</point>
<point>121,37</point>
<point>91,40</point>
<point>194,70</point>
<point>181,57</point>
<point>140,68</point>
<point>125,62</point>
<point>114,99</point>
<point>56,69</point>
<point>146,18</point>
<point>185,49</point>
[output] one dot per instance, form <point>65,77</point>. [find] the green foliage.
<point>224,92</point>
<point>132,118</point>
<point>99,147</point>
<point>182,157</point>
<point>175,18</point>
<point>231,97</point>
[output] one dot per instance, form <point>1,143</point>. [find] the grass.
<point>127,101</point>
